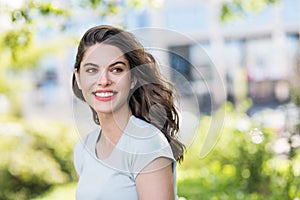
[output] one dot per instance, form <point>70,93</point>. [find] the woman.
<point>133,154</point>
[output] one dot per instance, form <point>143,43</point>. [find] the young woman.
<point>133,154</point>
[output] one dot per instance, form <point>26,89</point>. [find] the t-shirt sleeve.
<point>152,149</point>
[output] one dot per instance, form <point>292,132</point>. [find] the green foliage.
<point>239,8</point>
<point>59,192</point>
<point>241,166</point>
<point>94,3</point>
<point>16,41</point>
<point>24,22</point>
<point>34,157</point>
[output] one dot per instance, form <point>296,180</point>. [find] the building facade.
<point>255,56</point>
<point>209,61</point>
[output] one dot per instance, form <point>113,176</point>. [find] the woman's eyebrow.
<point>111,65</point>
<point>118,62</point>
<point>90,64</point>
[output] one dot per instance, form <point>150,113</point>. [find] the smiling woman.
<point>105,80</point>
<point>133,153</point>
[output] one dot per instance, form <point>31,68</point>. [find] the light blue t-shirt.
<point>113,178</point>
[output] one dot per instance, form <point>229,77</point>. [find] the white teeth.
<point>104,94</point>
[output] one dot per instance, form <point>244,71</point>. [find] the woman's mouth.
<point>104,95</point>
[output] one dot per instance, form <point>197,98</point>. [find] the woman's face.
<point>104,78</point>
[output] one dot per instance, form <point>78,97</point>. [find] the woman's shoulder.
<point>142,143</point>
<point>140,128</point>
<point>144,137</point>
<point>88,140</point>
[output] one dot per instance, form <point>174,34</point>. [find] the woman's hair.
<point>152,98</point>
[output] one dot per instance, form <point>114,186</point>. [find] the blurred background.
<point>243,61</point>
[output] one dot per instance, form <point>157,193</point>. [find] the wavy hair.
<point>152,99</point>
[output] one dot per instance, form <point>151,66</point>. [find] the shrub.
<point>34,157</point>
<point>242,165</point>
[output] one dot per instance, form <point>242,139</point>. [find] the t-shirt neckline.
<point>116,146</point>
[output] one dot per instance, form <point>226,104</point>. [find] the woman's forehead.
<point>103,54</point>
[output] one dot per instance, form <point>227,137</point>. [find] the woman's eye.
<point>117,70</point>
<point>91,70</point>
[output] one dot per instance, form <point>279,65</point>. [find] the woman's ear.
<point>133,82</point>
<point>77,78</point>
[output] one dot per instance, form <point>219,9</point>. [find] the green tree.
<point>239,8</point>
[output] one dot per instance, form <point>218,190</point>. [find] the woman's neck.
<point>113,124</point>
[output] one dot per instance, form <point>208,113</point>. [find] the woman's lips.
<point>104,95</point>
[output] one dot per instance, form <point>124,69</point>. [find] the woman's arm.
<point>156,181</point>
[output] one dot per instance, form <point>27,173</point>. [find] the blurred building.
<point>255,56</point>
<point>251,57</point>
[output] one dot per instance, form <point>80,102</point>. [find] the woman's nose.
<point>103,79</point>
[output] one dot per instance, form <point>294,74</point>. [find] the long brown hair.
<point>153,98</point>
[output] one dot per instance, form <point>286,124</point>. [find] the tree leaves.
<point>239,8</point>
